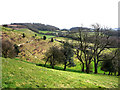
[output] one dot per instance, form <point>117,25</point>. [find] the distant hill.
<point>75,29</point>
<point>36,27</point>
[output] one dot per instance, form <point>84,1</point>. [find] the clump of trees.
<point>36,27</point>
<point>86,53</point>
<point>5,25</point>
<point>9,50</point>
<point>60,55</point>
<point>54,56</point>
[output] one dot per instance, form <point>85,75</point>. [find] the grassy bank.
<point>19,74</point>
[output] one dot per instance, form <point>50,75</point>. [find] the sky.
<point>60,13</point>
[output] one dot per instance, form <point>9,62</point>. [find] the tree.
<point>60,55</point>
<point>110,62</point>
<point>68,54</point>
<point>118,59</point>
<point>83,50</point>
<point>5,25</point>
<point>100,41</point>
<point>54,56</point>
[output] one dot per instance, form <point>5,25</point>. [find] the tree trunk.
<point>65,65</point>
<point>87,69</point>
<point>104,72</point>
<point>118,67</point>
<point>82,67</point>
<point>115,73</point>
<point>118,72</point>
<point>52,66</point>
<point>46,62</point>
<point>95,68</point>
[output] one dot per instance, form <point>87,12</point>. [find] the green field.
<point>47,31</point>
<point>19,74</point>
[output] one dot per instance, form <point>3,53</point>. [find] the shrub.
<point>44,37</point>
<point>35,35</point>
<point>23,35</point>
<point>52,40</point>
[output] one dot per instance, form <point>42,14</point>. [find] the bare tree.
<point>83,50</point>
<point>101,41</point>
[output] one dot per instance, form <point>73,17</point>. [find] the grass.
<point>31,33</point>
<point>48,36</point>
<point>47,31</point>
<point>19,74</point>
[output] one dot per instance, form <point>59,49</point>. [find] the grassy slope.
<point>28,53</point>
<point>18,74</point>
<point>15,76</point>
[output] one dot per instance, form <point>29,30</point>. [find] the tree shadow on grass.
<point>56,67</point>
<point>59,68</point>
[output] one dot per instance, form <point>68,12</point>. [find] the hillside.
<point>27,69</point>
<point>39,46</point>
<point>19,74</point>
<point>36,27</point>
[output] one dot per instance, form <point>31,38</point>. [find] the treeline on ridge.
<point>36,27</point>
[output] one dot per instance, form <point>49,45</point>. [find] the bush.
<point>35,35</point>
<point>44,37</point>
<point>23,35</point>
<point>52,40</point>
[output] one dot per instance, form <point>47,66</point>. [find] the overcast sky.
<point>60,13</point>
